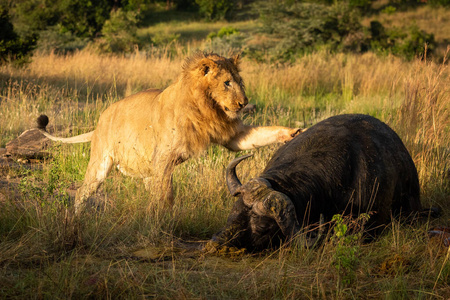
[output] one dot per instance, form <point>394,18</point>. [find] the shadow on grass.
<point>66,87</point>
<point>151,18</point>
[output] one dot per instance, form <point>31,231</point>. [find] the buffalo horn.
<point>233,182</point>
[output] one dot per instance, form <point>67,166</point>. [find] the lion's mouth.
<point>237,110</point>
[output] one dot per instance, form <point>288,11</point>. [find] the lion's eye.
<point>227,83</point>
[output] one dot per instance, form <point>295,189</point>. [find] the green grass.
<point>125,250</point>
<point>190,34</point>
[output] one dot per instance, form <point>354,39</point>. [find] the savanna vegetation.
<point>126,250</point>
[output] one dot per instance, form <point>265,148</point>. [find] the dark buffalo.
<point>347,164</point>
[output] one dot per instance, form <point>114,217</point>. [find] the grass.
<point>127,252</point>
<point>192,31</point>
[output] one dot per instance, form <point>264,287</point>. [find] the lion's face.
<point>222,83</point>
<point>227,90</point>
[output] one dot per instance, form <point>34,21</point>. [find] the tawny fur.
<point>147,134</point>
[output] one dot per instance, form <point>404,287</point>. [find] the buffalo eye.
<point>227,83</point>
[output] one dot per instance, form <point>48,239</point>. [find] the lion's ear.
<point>206,66</point>
<point>205,70</point>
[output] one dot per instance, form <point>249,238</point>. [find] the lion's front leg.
<point>161,189</point>
<point>250,137</point>
<point>160,184</point>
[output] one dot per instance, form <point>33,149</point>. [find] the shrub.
<point>71,22</point>
<point>12,46</point>
<point>225,41</point>
<point>413,44</point>
<point>83,18</point>
<point>439,2</point>
<point>224,31</point>
<point>347,238</point>
<point>302,27</point>
<point>56,39</point>
<point>215,9</point>
<point>226,44</point>
<point>407,44</point>
<point>389,10</point>
<point>119,32</point>
<point>294,28</point>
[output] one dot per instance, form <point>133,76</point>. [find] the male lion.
<point>147,134</point>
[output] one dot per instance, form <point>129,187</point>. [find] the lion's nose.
<point>242,104</point>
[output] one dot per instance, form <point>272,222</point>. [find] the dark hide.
<point>346,163</point>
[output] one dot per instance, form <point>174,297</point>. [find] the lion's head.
<point>219,79</point>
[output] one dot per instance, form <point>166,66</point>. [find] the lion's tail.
<point>42,122</point>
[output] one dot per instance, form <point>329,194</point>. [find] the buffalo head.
<point>261,216</point>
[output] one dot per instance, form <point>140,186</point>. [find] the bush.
<point>12,46</point>
<point>413,44</point>
<point>407,44</point>
<point>215,9</point>
<point>224,31</point>
<point>56,39</point>
<point>439,2</point>
<point>119,32</point>
<point>83,18</point>
<point>35,15</point>
<point>294,28</point>
<point>302,27</point>
<point>225,41</point>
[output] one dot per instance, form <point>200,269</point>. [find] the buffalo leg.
<point>234,230</point>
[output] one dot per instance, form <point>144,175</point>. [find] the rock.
<point>32,144</point>
<point>29,145</point>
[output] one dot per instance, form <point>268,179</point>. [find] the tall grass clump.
<point>423,122</point>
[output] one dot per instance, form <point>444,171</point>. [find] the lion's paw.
<point>290,134</point>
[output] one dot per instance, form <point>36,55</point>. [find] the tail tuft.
<point>42,122</point>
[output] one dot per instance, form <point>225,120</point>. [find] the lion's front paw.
<point>290,134</point>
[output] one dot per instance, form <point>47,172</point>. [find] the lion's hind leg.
<point>96,173</point>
